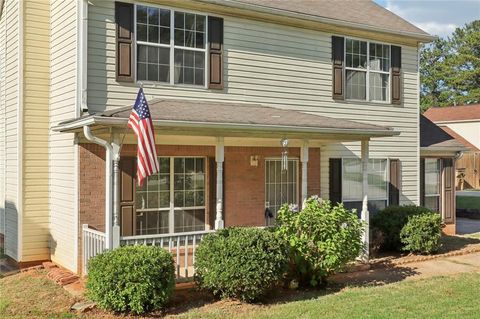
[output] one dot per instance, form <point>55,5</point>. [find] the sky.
<point>437,17</point>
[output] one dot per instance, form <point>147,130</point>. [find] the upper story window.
<point>170,43</point>
<point>367,71</point>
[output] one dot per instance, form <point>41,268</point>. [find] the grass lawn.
<point>33,296</point>
<point>468,202</point>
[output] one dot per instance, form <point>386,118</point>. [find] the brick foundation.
<point>450,229</point>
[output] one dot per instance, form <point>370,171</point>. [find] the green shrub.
<point>241,263</point>
<point>422,233</point>
<point>390,222</point>
<point>134,279</point>
<point>322,239</point>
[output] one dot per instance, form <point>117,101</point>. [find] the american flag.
<point>141,123</point>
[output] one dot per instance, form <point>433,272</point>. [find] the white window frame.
<point>367,71</point>
<point>440,184</point>
<point>172,209</point>
<point>297,179</point>
<point>171,46</point>
<point>387,180</point>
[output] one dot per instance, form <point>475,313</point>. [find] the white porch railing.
<point>182,246</point>
<point>93,244</point>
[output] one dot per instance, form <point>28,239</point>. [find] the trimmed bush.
<point>240,263</point>
<point>390,222</point>
<point>134,279</point>
<point>422,233</point>
<point>322,239</point>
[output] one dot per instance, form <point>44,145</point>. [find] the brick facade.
<point>244,194</point>
<point>245,185</point>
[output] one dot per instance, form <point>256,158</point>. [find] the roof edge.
<point>426,38</point>
<point>111,121</point>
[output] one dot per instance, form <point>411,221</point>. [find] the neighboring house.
<point>439,153</point>
<point>227,82</point>
<point>463,123</point>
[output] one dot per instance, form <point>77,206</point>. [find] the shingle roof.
<point>363,12</point>
<point>433,138</point>
<point>240,113</point>
<point>213,117</point>
<point>454,113</point>
<point>459,138</point>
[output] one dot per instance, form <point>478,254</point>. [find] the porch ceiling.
<point>190,117</point>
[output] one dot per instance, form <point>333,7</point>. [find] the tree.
<point>450,69</point>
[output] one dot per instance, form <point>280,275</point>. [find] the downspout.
<point>83,55</point>
<point>108,182</point>
<point>81,103</point>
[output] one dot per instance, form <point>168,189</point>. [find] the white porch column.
<point>365,213</point>
<point>304,161</point>
<point>116,191</point>
<point>219,158</point>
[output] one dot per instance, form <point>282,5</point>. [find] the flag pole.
<point>126,127</point>
<point>116,188</point>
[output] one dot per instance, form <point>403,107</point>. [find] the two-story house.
<point>255,103</point>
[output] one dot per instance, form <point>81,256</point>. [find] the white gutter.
<point>108,182</point>
<point>315,18</point>
<point>116,121</point>
<point>443,149</point>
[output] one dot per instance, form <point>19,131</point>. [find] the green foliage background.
<point>450,69</point>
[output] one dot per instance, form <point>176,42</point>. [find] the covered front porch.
<point>222,164</point>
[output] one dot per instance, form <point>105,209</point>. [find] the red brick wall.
<point>92,186</point>
<point>245,185</point>
<point>244,195</point>
<point>313,172</point>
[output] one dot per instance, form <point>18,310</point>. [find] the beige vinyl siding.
<point>275,65</point>
<point>404,147</point>
<point>12,220</point>
<point>62,168</point>
<point>35,225</point>
<point>2,125</point>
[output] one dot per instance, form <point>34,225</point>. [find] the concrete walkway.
<point>467,226</point>
<point>435,267</point>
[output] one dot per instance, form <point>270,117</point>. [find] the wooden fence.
<point>468,171</point>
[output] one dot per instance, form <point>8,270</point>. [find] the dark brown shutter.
<point>215,43</point>
<point>396,75</point>
<point>422,182</point>
<point>127,196</point>
<point>449,190</point>
<point>212,191</point>
<point>335,177</point>
<point>338,47</point>
<point>124,40</point>
<point>395,182</point>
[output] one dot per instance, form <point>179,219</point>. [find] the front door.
<point>281,187</point>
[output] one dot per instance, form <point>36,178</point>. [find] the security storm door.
<point>281,187</point>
